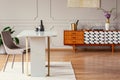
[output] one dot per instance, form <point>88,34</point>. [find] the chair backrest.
<point>7,40</point>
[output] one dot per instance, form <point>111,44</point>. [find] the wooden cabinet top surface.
<point>91,30</point>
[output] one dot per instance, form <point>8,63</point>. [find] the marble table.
<point>37,54</point>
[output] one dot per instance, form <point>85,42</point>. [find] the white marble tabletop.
<point>33,33</point>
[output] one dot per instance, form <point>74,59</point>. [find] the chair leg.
<point>13,60</point>
<point>6,62</point>
<point>22,63</point>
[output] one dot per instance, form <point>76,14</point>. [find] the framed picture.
<point>84,3</point>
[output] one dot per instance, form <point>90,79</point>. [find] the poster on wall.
<point>84,3</point>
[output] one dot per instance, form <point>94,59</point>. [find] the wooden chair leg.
<point>6,63</point>
<point>22,63</point>
<point>13,60</point>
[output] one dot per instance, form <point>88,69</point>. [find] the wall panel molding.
<point>18,10</point>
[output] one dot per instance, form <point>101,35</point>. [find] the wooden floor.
<point>87,64</point>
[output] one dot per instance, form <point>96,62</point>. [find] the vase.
<point>41,26</point>
<point>107,24</point>
<point>74,26</point>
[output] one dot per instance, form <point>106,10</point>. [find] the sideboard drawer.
<point>69,33</point>
<point>71,42</point>
<point>79,33</point>
<point>80,41</point>
<point>80,37</point>
<point>73,37</point>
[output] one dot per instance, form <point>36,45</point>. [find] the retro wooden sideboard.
<point>91,38</point>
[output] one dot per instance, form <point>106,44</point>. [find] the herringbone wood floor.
<point>87,64</point>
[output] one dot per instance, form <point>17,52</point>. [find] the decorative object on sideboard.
<point>74,25</point>
<point>107,15</point>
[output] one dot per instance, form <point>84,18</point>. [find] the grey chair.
<point>11,48</point>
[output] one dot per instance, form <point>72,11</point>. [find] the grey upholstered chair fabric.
<point>11,48</point>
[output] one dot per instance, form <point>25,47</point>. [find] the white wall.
<point>26,14</point>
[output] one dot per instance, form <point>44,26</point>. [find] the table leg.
<point>112,48</point>
<point>48,56</point>
<point>27,56</point>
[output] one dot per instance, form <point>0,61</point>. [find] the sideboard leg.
<point>74,48</point>
<point>112,48</point>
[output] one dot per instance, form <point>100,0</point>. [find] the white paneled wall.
<point>26,14</point>
<point>17,9</point>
